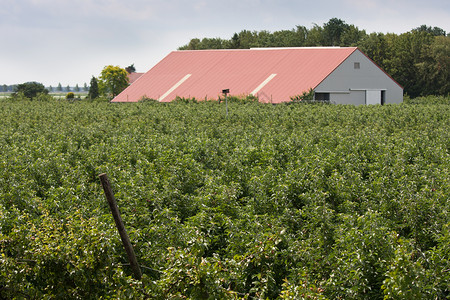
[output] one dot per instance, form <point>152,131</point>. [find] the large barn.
<point>274,75</point>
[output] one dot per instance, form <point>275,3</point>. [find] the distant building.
<point>132,77</point>
<point>274,75</point>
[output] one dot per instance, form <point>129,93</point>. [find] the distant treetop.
<point>130,69</point>
<point>417,59</point>
<point>30,89</point>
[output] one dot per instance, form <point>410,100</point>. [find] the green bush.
<point>70,96</point>
<point>30,89</point>
<point>427,100</point>
<point>305,97</point>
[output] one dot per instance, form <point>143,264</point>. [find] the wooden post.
<point>226,91</point>
<point>120,227</point>
<point>226,103</point>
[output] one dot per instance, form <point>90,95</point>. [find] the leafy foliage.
<point>93,89</point>
<point>30,89</point>
<point>273,201</point>
<point>306,96</point>
<point>112,81</point>
<point>130,69</point>
<point>418,60</point>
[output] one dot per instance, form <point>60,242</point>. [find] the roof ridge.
<point>294,48</point>
<point>272,48</point>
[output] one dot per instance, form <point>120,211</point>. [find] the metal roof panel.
<point>240,70</point>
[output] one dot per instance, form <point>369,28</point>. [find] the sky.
<point>69,41</point>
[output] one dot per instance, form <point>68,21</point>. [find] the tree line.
<point>112,80</point>
<point>419,59</point>
<point>76,88</point>
<point>59,88</point>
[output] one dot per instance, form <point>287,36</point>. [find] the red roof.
<point>132,77</point>
<point>272,74</point>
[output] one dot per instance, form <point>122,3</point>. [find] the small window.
<point>357,65</point>
<point>322,96</point>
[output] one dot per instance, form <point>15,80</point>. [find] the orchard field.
<point>287,201</point>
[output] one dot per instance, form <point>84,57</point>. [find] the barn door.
<point>373,97</point>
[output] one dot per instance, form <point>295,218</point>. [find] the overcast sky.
<point>69,41</point>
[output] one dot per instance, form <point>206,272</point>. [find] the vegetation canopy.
<point>419,60</point>
<point>112,81</point>
<point>269,202</point>
<point>30,89</point>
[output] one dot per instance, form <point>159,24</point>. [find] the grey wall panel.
<point>347,78</point>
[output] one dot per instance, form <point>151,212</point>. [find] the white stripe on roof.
<point>263,84</point>
<point>173,88</point>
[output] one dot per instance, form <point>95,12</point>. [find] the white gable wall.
<point>350,85</point>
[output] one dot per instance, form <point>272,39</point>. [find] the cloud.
<point>128,10</point>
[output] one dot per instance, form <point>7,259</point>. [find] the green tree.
<point>287,38</point>
<point>247,39</point>
<point>265,39</point>
<point>113,80</point>
<point>235,42</point>
<point>301,34</point>
<point>352,36</point>
<point>93,90</point>
<point>130,69</point>
<point>85,87</point>
<point>333,30</point>
<point>434,67</point>
<point>436,31</point>
<point>315,36</point>
<point>193,45</point>
<point>59,88</point>
<point>30,89</point>
<point>5,88</point>
<point>375,46</point>
<point>77,88</point>
<point>405,56</point>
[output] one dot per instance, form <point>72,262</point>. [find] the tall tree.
<point>5,88</point>
<point>235,41</point>
<point>113,80</point>
<point>265,39</point>
<point>59,88</point>
<point>433,71</point>
<point>193,45</point>
<point>375,46</point>
<point>287,38</point>
<point>352,36</point>
<point>93,90</point>
<point>77,88</point>
<point>130,69</point>
<point>405,55</point>
<point>247,39</point>
<point>333,30</point>
<point>436,31</point>
<point>302,34</point>
<point>315,36</point>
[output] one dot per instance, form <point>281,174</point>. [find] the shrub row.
<point>285,201</point>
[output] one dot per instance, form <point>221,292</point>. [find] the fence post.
<point>120,227</point>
